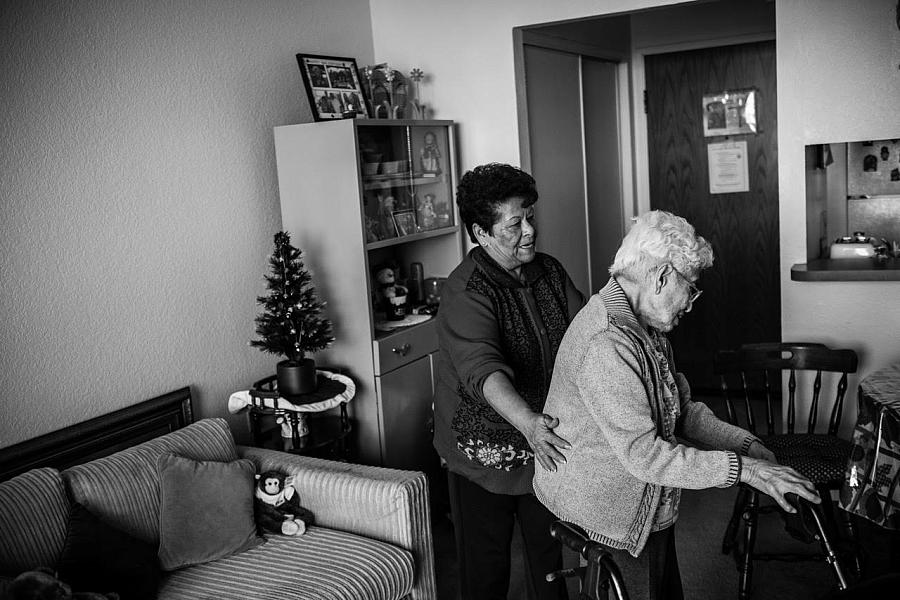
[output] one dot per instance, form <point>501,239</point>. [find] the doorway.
<point>721,45</point>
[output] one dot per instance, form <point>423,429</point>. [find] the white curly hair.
<point>659,237</point>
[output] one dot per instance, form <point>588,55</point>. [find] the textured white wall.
<point>838,80</point>
<point>138,190</point>
<point>139,194</point>
<point>466,48</point>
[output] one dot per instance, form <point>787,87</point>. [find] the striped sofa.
<point>372,538</point>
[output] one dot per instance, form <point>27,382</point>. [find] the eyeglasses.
<point>695,291</point>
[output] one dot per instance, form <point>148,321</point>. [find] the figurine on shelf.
<point>389,75</point>
<point>442,211</point>
<point>417,109</point>
<point>371,235</point>
<point>430,155</point>
<point>427,216</point>
<point>391,296</point>
<point>388,91</point>
<point>379,94</point>
<point>386,216</point>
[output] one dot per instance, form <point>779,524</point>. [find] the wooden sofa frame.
<point>101,436</point>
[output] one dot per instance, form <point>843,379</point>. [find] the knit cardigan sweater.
<point>609,394</point>
<point>491,321</point>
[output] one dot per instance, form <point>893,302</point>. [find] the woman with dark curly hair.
<point>503,313</point>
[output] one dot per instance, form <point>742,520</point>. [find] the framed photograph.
<point>731,112</point>
<point>333,87</point>
<point>404,221</point>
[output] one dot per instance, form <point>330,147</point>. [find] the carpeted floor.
<point>706,573</point>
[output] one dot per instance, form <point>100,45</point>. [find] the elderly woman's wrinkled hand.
<point>777,480</point>
<point>543,440</point>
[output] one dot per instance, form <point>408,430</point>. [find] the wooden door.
<point>741,300</point>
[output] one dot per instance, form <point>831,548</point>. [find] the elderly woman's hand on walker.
<point>777,480</point>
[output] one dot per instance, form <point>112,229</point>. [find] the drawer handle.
<point>402,350</point>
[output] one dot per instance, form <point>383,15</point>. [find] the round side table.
<point>302,430</point>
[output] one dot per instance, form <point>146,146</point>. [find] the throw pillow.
<point>205,510</point>
<point>97,557</point>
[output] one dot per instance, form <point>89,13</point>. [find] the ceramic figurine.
<point>371,236</point>
<point>386,216</point>
<point>427,216</point>
<point>430,155</point>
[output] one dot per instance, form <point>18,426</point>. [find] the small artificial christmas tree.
<point>290,324</point>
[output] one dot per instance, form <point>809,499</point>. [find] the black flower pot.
<point>296,377</point>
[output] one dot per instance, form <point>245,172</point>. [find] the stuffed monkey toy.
<point>277,507</point>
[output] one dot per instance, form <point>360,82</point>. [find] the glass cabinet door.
<point>407,185</point>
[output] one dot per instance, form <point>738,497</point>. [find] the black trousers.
<point>653,575</point>
<point>483,524</point>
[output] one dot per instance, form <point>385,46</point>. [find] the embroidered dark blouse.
<point>490,321</point>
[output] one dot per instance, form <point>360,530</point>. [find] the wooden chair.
<point>756,369</point>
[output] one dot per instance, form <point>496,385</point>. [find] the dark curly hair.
<point>484,188</point>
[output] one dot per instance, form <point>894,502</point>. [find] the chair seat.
<point>771,371</point>
<point>819,457</point>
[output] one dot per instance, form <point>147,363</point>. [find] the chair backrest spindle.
<point>729,406</point>
<point>835,420</point>
<point>814,405</point>
<point>792,393</point>
<point>751,421</point>
<point>770,410</point>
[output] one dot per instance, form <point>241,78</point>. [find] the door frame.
<point>523,36</point>
<point>641,173</point>
<point>634,154</point>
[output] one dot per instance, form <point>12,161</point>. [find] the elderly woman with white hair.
<point>637,438</point>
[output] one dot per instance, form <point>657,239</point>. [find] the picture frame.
<point>333,87</point>
<point>731,112</point>
<point>404,221</point>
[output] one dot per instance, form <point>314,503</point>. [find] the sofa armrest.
<point>389,505</point>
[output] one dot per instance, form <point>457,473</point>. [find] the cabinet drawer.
<point>404,346</point>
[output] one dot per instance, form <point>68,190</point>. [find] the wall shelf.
<point>847,269</point>
<point>381,182</point>
<point>405,239</point>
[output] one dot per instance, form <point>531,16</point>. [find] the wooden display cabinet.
<point>357,194</point>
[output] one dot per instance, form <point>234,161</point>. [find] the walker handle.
<point>571,535</point>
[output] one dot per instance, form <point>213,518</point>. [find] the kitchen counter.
<point>847,269</point>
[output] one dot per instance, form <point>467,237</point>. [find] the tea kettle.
<point>858,245</point>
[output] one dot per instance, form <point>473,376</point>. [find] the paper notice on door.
<point>728,167</point>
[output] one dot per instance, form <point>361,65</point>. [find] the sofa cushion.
<point>100,558</point>
<point>123,489</point>
<point>33,515</point>
<point>206,510</point>
<point>322,564</point>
